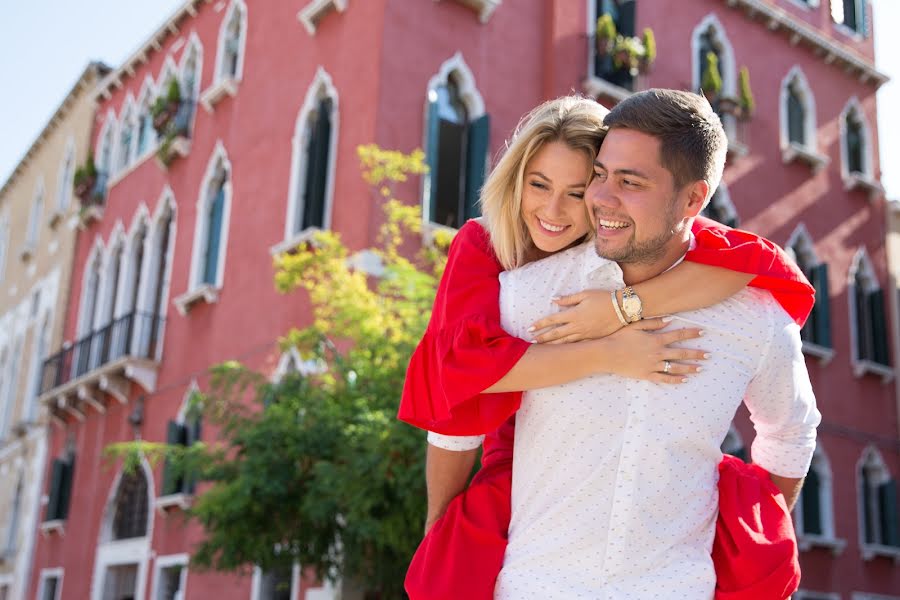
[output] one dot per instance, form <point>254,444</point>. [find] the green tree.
<point>316,469</point>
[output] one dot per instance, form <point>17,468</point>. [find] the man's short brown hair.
<point>693,142</point>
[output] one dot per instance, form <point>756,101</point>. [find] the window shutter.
<point>822,310</point>
<point>449,195</point>
<point>811,501</point>
<point>176,434</point>
<point>56,476</point>
<point>65,487</point>
<point>868,516</point>
<point>878,327</point>
<point>433,141</point>
<point>214,235</point>
<point>887,502</point>
<point>854,146</point>
<point>476,164</point>
<point>863,330</point>
<point>627,18</point>
<point>317,167</point>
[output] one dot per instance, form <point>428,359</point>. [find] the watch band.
<point>615,303</point>
<point>631,305</point>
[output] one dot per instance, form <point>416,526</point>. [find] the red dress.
<point>465,350</point>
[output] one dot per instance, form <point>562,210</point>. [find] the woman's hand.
<point>641,351</point>
<point>590,315</point>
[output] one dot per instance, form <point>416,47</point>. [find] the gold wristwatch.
<point>631,305</point>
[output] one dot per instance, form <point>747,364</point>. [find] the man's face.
<point>635,208</point>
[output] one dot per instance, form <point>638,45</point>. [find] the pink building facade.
<point>173,266</point>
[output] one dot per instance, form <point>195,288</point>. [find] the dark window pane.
<point>796,118</point>
<point>811,502</point>
<point>214,234</point>
<point>316,176</point>
<point>276,584</point>
<point>130,519</point>
<point>854,145</point>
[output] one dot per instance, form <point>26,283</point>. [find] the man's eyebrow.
<point>632,172</point>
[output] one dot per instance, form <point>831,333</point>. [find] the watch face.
<point>632,305</point>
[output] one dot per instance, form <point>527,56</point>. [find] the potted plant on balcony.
<point>748,104</point>
<point>649,55</point>
<point>605,35</point>
<point>165,107</point>
<point>627,54</point>
<point>85,178</point>
<point>711,83</point>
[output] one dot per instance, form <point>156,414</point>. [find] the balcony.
<point>108,360</point>
<point>92,193</point>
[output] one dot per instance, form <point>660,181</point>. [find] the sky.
<point>45,45</point>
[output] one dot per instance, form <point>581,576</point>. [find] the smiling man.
<point>618,500</point>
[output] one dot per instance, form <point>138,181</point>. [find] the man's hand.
<point>446,475</point>
<point>788,486</point>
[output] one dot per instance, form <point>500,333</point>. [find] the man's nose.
<point>599,193</point>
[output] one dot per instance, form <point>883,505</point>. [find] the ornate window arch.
<point>816,333</point>
<point>868,325</point>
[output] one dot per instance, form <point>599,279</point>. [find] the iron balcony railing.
<point>136,334</point>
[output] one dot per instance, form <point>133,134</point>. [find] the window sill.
<point>853,34</point>
<point>485,8</point>
<point>823,353</point>
<point>796,152</point>
<point>55,526</point>
<point>204,292</point>
<point>595,86</point>
<point>179,148</point>
<point>290,244</point>
<point>808,541</point>
<point>226,86</point>
<point>313,12</point>
<point>870,551</point>
<point>89,213</point>
<point>165,503</point>
<point>863,367</point>
<point>864,182</point>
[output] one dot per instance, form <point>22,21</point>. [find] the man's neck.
<point>634,273</point>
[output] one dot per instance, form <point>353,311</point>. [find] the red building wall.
<point>381,56</point>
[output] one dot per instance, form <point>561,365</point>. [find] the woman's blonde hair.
<point>573,120</point>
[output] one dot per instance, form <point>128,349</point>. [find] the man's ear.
<point>696,197</point>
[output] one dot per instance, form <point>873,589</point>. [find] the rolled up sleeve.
<point>782,403</point>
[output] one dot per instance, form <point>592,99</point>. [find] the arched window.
<point>623,13</point>
<point>64,181</point>
<point>126,141</point>
<point>104,152</point>
<point>9,387</point>
<point>796,116</point>
<point>313,163</point>
<point>878,506</point>
<point>12,528</point>
<point>231,42</point>
<point>35,218</point>
<point>146,136</point>
<point>720,208</point>
<point>867,317</point>
<point>190,84</point>
<point>133,269</point>
<point>851,14</point>
<point>801,248</point>
<point>814,512</point>
<point>41,347</point>
<point>457,143</point>
<point>105,319</point>
<point>709,37</point>
<point>131,507</point>
<point>90,293</point>
<point>157,288</point>
<point>184,430</point>
<point>798,121</point>
<point>213,235</point>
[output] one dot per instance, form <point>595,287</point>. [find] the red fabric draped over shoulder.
<point>465,350</point>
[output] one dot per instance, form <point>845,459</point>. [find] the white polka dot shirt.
<point>615,480</point>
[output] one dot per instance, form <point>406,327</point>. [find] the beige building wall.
<point>38,226</point>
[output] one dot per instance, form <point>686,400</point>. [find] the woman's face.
<point>553,197</point>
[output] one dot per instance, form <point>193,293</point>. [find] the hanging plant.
<point>165,107</point>
<point>748,104</point>
<point>649,55</point>
<point>85,178</point>
<point>711,83</point>
<point>605,35</point>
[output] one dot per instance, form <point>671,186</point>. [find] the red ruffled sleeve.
<point>746,252</point>
<point>464,349</point>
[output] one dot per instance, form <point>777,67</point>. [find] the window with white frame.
<point>104,154</point>
<point>171,577</point>
<point>41,347</point>
<point>856,152</point>
<point>185,430</point>
<point>125,143</point>
<point>814,512</point>
<point>148,333</point>
<point>711,48</point>
<point>867,314</point>
<point>232,38</point>
<point>313,163</point>
<point>50,585</point>
<point>146,136</point>
<point>90,295</point>
<point>65,181</point>
<point>127,308</point>
<point>34,219</point>
<point>278,583</point>
<point>797,109</point>
<point>9,387</point>
<point>851,14</point>
<point>602,61</point>
<point>720,207</point>
<point>212,222</point>
<point>105,323</point>
<point>878,507</point>
<point>12,527</point>
<point>800,247</point>
<point>457,130</point>
<point>190,81</point>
